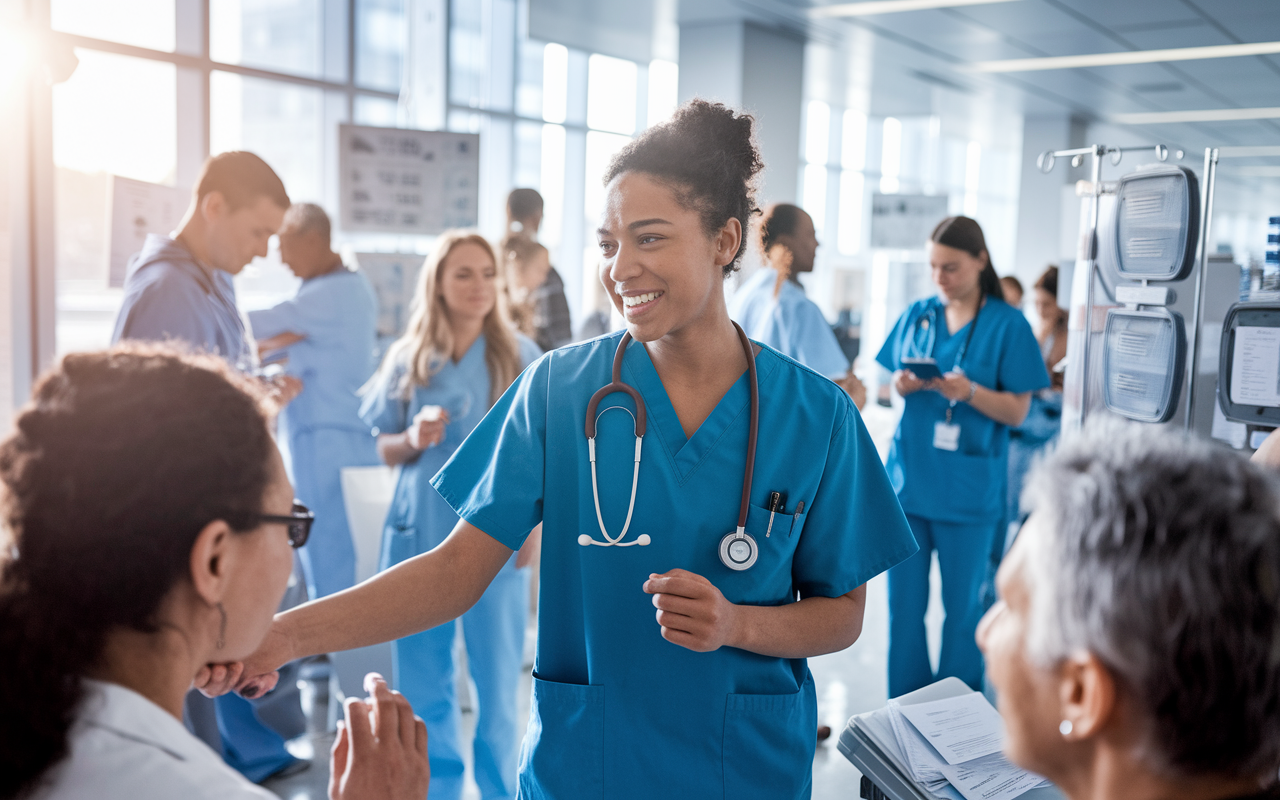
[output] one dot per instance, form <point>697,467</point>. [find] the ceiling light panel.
<point>1126,57</point>
<point>1201,115</point>
<point>871,7</point>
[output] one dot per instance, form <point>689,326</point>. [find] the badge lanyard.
<point>964,348</point>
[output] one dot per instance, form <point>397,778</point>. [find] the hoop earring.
<point>222,629</point>
<point>1066,727</point>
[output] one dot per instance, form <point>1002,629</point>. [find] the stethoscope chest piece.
<point>738,550</point>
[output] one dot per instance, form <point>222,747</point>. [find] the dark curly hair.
<point>708,154</point>
<point>114,467</point>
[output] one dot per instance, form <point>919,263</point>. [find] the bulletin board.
<point>136,209</point>
<point>407,182</point>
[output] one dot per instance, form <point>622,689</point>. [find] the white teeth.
<point>639,299</point>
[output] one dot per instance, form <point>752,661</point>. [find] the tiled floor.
<point>849,682</point>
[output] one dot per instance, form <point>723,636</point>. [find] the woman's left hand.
<point>692,611</point>
<point>953,386</point>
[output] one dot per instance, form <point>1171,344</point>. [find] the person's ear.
<point>213,206</point>
<point>727,242</point>
<point>211,559</point>
<point>1087,697</point>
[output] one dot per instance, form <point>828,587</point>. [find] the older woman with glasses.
<point>1136,644</point>
<point>152,525</point>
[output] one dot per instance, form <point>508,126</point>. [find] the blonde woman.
<point>459,354</point>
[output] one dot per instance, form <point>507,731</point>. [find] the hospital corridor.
<point>584,399</point>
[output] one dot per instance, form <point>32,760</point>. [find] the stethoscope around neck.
<point>738,549</point>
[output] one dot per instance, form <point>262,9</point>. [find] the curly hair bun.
<point>709,153</point>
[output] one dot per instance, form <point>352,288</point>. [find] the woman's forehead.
<point>635,197</point>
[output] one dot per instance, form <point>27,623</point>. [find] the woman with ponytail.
<point>663,666</point>
<point>949,455</point>
<point>152,525</point>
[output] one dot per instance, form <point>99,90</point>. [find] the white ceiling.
<point>919,53</point>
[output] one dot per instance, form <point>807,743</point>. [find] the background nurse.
<point>458,355</point>
<point>948,460</point>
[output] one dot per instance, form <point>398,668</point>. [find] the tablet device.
<point>926,369</point>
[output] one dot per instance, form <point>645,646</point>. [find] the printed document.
<point>959,728</point>
<point>1255,366</point>
<point>991,778</point>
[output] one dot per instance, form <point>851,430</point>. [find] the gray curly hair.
<point>1161,557</point>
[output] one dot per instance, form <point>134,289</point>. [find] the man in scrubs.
<point>662,666</point>
<point>179,288</point>
<point>327,334</point>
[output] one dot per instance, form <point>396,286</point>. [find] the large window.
<point>164,89</point>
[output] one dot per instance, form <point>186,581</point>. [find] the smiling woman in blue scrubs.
<point>457,357</point>
<point>659,666</point>
<point>948,459</point>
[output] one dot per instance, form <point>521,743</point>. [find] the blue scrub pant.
<point>964,556</point>
<point>424,672</point>
<point>317,457</point>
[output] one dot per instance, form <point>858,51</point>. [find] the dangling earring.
<point>1066,727</point>
<point>222,630</point>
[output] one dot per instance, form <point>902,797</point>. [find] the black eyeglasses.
<point>298,523</point>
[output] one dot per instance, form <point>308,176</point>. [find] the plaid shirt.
<point>551,324</point>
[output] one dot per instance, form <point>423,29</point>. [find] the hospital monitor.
<point>1157,223</point>
<point>1249,364</point>
<point>1144,356</point>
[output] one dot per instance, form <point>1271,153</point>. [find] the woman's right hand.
<point>381,750</point>
<point>427,428</point>
<point>906,382</point>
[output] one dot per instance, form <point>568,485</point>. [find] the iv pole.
<point>1045,162</point>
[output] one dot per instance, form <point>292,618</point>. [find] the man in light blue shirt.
<point>328,334</point>
<point>179,289</point>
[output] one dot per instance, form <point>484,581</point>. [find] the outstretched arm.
<point>421,593</point>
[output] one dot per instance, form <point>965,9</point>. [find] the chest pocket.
<point>768,581</point>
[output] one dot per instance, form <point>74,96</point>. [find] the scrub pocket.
<point>399,543</point>
<point>769,740</point>
<point>563,754</point>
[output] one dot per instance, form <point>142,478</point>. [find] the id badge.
<point>946,436</point>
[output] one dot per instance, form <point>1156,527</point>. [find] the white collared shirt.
<point>123,746</point>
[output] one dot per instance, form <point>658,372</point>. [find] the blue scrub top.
<point>419,519</point>
<point>791,323</point>
<point>337,313</point>
<point>168,294</point>
<point>965,485</point>
<point>618,710</point>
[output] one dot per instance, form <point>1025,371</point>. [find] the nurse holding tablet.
<point>709,518</point>
<point>966,364</point>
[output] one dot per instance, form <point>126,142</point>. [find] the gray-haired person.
<point>1136,643</point>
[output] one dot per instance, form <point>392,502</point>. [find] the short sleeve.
<point>1021,367</point>
<point>381,408</point>
<point>815,342</point>
<point>890,355</point>
<point>855,528</point>
<point>495,479</point>
<point>284,317</point>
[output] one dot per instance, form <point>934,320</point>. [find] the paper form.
<point>1255,367</point>
<point>991,778</point>
<point>959,728</point>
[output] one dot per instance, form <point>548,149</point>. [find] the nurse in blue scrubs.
<point>686,575</point>
<point>327,333</point>
<point>771,306</point>
<point>458,355</point>
<point>948,460</point>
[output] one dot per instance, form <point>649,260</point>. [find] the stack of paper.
<point>953,749</point>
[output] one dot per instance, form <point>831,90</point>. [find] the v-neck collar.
<point>687,453</point>
<point>476,347</point>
